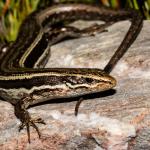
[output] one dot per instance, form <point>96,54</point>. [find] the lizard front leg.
<point>25,118</point>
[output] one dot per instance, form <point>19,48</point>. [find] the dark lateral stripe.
<point>46,80</point>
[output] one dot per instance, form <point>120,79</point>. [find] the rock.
<point>117,119</point>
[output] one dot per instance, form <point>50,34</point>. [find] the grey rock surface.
<point>114,120</point>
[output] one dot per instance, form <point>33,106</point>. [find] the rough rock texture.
<point>116,120</point>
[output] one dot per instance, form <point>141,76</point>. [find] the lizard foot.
<point>25,118</point>
<point>27,121</point>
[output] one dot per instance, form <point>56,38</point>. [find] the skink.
<point>24,81</point>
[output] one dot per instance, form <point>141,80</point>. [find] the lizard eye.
<point>89,80</point>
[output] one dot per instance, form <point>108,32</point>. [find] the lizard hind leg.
<point>74,32</point>
<point>25,118</point>
<point>95,29</point>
